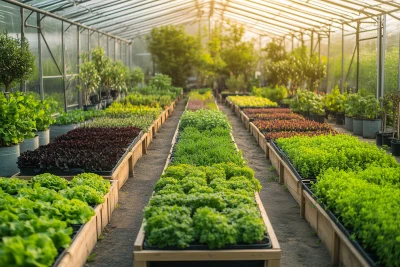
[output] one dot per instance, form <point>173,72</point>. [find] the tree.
<point>16,61</point>
<point>103,65</point>
<point>239,56</point>
<point>174,52</point>
<point>136,76</point>
<point>89,78</point>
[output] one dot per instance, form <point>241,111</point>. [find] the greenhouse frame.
<point>345,33</point>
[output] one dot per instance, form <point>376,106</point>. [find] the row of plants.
<point>367,203</point>
<point>284,123</point>
<point>358,183</point>
<point>201,99</point>
<point>41,216</point>
<point>206,195</point>
<point>252,101</point>
<point>80,150</point>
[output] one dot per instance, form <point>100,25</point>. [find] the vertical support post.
<point>358,55</point>
<point>63,64</point>
<point>319,60</point>
<point>378,57</point>
<point>292,43</point>
<point>312,43</point>
<point>115,49</point>
<point>342,79</point>
<point>108,51</point>
<point>89,54</point>
<point>78,40</point>
<point>328,62</point>
<point>383,55</point>
<point>23,84</point>
<point>398,67</point>
<point>39,25</point>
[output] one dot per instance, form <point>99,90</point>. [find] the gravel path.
<point>116,249</point>
<point>300,245</point>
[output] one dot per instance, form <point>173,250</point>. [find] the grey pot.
<point>57,130</point>
<point>371,127</point>
<point>358,126</point>
<point>29,144</point>
<point>44,137</point>
<point>8,160</point>
<point>348,123</point>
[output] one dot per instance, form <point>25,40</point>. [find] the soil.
<point>116,248</point>
<point>299,243</point>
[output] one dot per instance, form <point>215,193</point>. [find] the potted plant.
<point>358,114</point>
<point>66,122</point>
<point>27,105</point>
<point>16,61</point>
<point>349,110</point>
<point>386,108</point>
<point>372,122</point>
<point>15,124</point>
<point>317,108</point>
<point>44,111</point>
<point>89,80</point>
<point>395,142</point>
<point>335,103</point>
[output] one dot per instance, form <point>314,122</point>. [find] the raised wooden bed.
<point>339,246</point>
<point>264,257</point>
<point>269,257</point>
<point>86,239</point>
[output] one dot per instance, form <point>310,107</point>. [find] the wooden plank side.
<point>207,255</point>
<point>267,222</point>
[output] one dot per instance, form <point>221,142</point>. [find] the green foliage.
<point>148,100</point>
<point>12,185</point>
<point>143,122</point>
<point>70,117</point>
<point>372,108</point>
<point>117,110</point>
<point>206,148</point>
<point>204,120</point>
<point>92,180</point>
<point>213,229</point>
<point>35,250</point>
<point>17,118</point>
<point>173,51</point>
<point>275,94</point>
<point>353,107</point>
<point>44,110</point>
<point>311,156</point>
<point>169,226</point>
<point>160,82</point>
<point>307,101</point>
<point>236,83</point>
<point>39,193</point>
<point>366,203</point>
<point>252,101</point>
<point>89,78</point>
<point>16,61</point>
<point>118,76</point>
<point>72,211</point>
<point>85,193</point>
<point>50,181</point>
<point>335,101</point>
<point>136,77</point>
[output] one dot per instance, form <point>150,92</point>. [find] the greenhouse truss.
<point>358,39</point>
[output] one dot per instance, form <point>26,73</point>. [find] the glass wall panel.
<point>335,60</point>
<point>31,35</point>
<point>392,54</point>
<point>111,48</point>
<point>72,92</point>
<point>71,49</point>
<point>94,40</point>
<point>84,41</point>
<point>368,58</point>
<point>350,59</point>
<point>104,43</point>
<point>51,36</point>
<point>324,59</point>
<point>54,87</point>
<point>10,19</point>
<point>117,50</point>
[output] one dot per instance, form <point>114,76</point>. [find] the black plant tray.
<point>264,244</point>
<point>33,171</point>
<point>368,256</point>
<point>76,228</point>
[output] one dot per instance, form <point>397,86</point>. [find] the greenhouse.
<point>174,133</point>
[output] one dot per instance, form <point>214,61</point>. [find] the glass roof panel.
<point>127,18</point>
